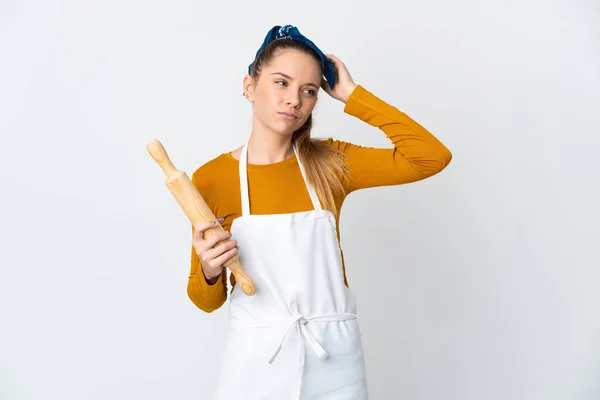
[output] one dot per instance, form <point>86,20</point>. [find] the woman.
<point>279,197</point>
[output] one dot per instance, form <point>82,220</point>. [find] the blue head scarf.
<point>291,32</point>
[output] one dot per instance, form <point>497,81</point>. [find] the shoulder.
<point>218,183</point>
<point>213,173</point>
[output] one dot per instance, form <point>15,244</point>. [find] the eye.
<point>281,83</point>
<point>311,92</point>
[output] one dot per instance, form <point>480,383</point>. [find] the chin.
<point>283,130</point>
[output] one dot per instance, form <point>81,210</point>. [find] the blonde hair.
<point>325,167</point>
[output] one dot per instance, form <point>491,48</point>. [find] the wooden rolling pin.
<point>196,209</point>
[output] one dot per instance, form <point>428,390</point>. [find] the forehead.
<point>297,64</point>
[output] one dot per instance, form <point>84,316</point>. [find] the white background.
<point>481,283</point>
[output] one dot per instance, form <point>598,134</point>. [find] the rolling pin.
<point>196,209</point>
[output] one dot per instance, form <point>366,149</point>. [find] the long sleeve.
<point>416,154</point>
<point>206,297</point>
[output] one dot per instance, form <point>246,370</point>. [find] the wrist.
<point>210,280</point>
<point>349,92</point>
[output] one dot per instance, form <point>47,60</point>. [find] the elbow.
<point>444,159</point>
<point>441,158</point>
<point>434,164</point>
<point>200,301</point>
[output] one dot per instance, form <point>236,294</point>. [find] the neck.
<point>269,149</point>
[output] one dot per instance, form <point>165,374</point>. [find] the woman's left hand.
<point>344,85</point>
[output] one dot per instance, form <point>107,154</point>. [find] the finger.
<point>200,228</point>
<point>226,256</point>
<point>216,252</point>
<point>204,226</point>
<point>338,66</point>
<point>208,249</point>
<point>216,238</point>
<point>334,59</point>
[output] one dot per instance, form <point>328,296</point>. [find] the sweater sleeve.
<point>206,297</point>
<point>416,154</point>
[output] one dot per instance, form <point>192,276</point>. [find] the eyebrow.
<point>290,78</point>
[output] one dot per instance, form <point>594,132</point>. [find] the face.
<point>285,93</point>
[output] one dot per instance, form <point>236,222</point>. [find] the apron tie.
<point>299,321</point>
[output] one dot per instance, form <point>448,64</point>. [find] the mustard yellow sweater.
<point>279,188</point>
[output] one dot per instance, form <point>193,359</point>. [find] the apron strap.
<point>244,181</point>
<point>245,197</point>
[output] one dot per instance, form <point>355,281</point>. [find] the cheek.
<point>268,99</point>
<point>309,105</point>
<point>262,101</point>
<point>301,121</point>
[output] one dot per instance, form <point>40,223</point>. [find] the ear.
<point>249,85</point>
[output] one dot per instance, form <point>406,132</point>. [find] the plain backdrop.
<point>480,283</point>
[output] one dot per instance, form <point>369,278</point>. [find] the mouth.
<point>288,116</point>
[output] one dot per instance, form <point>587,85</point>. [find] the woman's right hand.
<point>212,260</point>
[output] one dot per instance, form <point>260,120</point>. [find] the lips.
<point>288,116</point>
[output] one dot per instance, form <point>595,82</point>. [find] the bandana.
<point>291,32</point>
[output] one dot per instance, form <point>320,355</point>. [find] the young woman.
<point>279,197</point>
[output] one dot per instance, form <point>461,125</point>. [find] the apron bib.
<point>297,338</point>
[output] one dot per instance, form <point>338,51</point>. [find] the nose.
<point>293,99</point>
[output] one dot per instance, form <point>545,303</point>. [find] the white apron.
<point>297,337</point>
